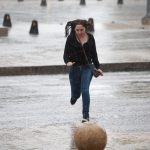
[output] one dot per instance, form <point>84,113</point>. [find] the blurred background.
<point>119,33</point>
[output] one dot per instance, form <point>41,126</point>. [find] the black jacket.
<point>73,51</point>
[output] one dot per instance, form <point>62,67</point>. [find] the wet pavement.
<point>35,112</point>
<point>119,34</point>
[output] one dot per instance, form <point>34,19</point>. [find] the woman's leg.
<point>86,76</point>
<point>75,82</point>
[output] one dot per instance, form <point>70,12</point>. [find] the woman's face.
<point>80,30</point>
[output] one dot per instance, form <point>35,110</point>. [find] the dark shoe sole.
<point>73,101</point>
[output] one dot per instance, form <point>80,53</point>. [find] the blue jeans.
<point>80,79</point>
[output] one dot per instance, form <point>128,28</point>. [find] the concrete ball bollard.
<point>34,28</point>
<point>90,136</point>
<point>7,21</point>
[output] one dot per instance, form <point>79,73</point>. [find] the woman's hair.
<point>72,24</point>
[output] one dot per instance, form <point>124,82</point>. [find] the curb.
<point>62,69</point>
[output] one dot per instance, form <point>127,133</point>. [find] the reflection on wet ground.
<point>36,113</point>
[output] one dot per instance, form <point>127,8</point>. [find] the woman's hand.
<point>69,64</point>
<point>100,71</point>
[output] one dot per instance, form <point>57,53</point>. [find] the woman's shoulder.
<point>71,36</point>
<point>70,39</point>
<point>90,36</point>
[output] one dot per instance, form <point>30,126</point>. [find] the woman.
<point>80,62</point>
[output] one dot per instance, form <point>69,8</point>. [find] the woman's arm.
<point>66,56</point>
<point>66,51</point>
<point>95,57</point>
<point>94,53</point>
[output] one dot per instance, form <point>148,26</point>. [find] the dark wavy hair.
<point>72,24</point>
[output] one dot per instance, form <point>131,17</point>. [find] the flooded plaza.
<point>35,111</point>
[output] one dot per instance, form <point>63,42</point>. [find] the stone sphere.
<point>90,136</point>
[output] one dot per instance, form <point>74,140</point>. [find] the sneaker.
<point>85,120</point>
<point>73,100</point>
<point>85,117</point>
